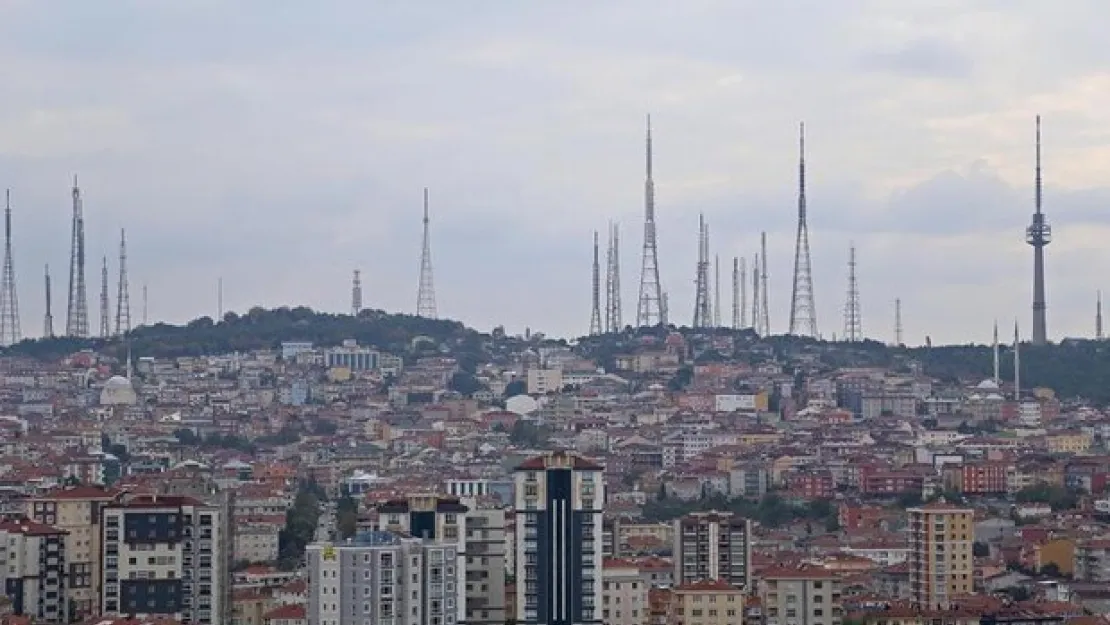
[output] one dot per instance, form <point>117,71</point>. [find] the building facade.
<point>941,564</point>
<point>801,596</point>
<point>559,501</point>
<point>33,569</point>
<point>713,546</point>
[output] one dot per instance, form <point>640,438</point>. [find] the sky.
<point>280,145</point>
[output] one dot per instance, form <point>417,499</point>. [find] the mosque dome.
<point>118,391</point>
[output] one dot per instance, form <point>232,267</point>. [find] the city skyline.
<point>293,147</point>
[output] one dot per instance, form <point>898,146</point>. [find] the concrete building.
<point>351,356</point>
<point>77,512</point>
<point>707,602</point>
<point>543,381</point>
<point>1092,560</point>
<point>485,562</point>
<point>33,569</point>
<point>382,577</point>
<point>713,546</point>
<point>559,501</point>
<point>624,593</point>
<point>161,556</point>
<point>801,596</point>
<point>941,564</point>
<point>432,517</point>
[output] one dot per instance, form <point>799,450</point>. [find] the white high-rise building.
<point>559,501</point>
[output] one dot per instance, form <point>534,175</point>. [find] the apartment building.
<point>485,562</point>
<point>33,569</point>
<point>941,564</point>
<point>624,593</point>
<point>801,596</point>
<point>713,546</point>
<point>77,512</point>
<point>431,517</point>
<point>559,500</point>
<point>706,602</point>
<point>1092,560</point>
<point>161,557</point>
<point>382,578</point>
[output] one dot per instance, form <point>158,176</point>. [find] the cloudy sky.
<point>282,144</point>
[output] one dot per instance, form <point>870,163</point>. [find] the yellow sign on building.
<point>329,553</point>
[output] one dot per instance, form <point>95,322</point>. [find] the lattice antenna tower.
<point>651,308</point>
<point>105,314</point>
<point>9,303</point>
<point>853,326</point>
<point>736,305</point>
<point>1098,316</point>
<point>898,323</point>
<point>48,318</point>
<point>743,293</point>
<point>613,321</point>
<point>764,312</point>
<point>717,291</point>
<point>803,311</point>
<point>356,294</point>
<point>77,306</point>
<point>755,296</point>
<point>426,296</point>
<point>595,292</point>
<point>701,280</point>
<point>123,296</point>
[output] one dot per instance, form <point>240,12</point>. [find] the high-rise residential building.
<point>34,569</point>
<point>707,602</point>
<point>807,595</point>
<point>432,517</point>
<point>713,546</point>
<point>76,510</point>
<point>624,593</point>
<point>382,578</point>
<point>559,502</point>
<point>940,562</point>
<point>485,561</point>
<point>162,556</point>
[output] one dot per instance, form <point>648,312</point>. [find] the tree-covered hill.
<point>266,329</point>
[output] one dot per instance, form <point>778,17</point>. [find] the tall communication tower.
<point>650,308</point>
<point>9,303</point>
<point>743,293</point>
<point>77,306</point>
<point>702,306</point>
<point>1098,316</point>
<point>144,304</point>
<point>426,296</point>
<point>613,321</point>
<point>1038,234</point>
<point>764,313</point>
<point>105,323</point>
<point>853,326</point>
<point>737,306</point>
<point>356,294</point>
<point>803,312</point>
<point>48,318</point>
<point>717,291</point>
<point>898,323</point>
<point>595,308</point>
<point>123,297</point>
<point>755,297</point>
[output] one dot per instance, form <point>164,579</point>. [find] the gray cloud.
<point>280,146</point>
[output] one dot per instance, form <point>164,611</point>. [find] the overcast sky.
<point>282,144</point>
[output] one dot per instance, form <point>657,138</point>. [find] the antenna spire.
<point>426,296</point>
<point>9,303</point>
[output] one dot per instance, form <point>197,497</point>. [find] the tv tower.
<point>105,325</point>
<point>595,308</point>
<point>803,312</point>
<point>743,293</point>
<point>1038,234</point>
<point>755,297</point>
<point>898,323</point>
<point>613,321</point>
<point>9,303</point>
<point>356,294</point>
<point>77,307</point>
<point>426,296</point>
<point>853,326</point>
<point>1098,316</point>
<point>123,297</point>
<point>996,349</point>
<point>765,315</point>
<point>717,291</point>
<point>737,306</point>
<point>701,279</point>
<point>48,318</point>
<point>144,303</point>
<point>650,308</point>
